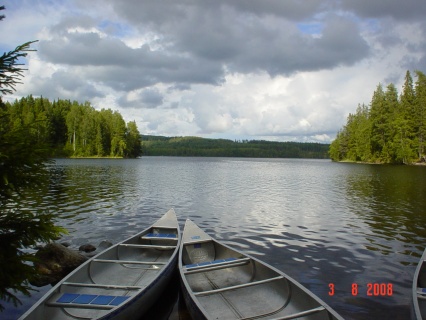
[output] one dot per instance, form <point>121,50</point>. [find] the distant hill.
<point>202,147</point>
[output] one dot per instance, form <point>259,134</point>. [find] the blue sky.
<point>274,70</point>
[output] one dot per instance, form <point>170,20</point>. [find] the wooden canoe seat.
<point>160,236</point>
<point>215,265</point>
<point>238,286</point>
<point>88,301</point>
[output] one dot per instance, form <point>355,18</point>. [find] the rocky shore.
<point>55,260</point>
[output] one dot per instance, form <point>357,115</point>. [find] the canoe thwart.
<point>197,242</point>
<point>103,286</point>
<point>88,301</point>
<point>147,246</point>
<point>239,286</point>
<point>215,265</point>
<point>129,262</point>
<point>301,314</point>
<point>160,236</point>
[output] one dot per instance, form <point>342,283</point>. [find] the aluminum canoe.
<point>121,282</point>
<point>220,282</point>
<point>419,289</point>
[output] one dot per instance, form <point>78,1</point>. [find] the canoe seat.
<point>147,246</point>
<point>421,293</point>
<point>302,313</point>
<point>421,290</point>
<point>208,263</point>
<point>215,265</point>
<point>238,286</point>
<point>129,262</point>
<point>103,286</point>
<point>89,301</point>
<point>160,236</point>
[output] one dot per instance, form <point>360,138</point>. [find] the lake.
<point>340,229</point>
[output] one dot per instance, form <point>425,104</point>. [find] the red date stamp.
<point>372,289</point>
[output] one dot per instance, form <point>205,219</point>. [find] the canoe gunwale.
<point>416,295</point>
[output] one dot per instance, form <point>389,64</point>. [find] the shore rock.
<point>55,261</point>
<point>87,248</point>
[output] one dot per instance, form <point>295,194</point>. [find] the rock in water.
<point>53,262</point>
<point>87,248</point>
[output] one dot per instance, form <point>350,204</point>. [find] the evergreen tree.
<point>392,130</point>
<point>133,141</point>
<point>391,109</point>
<point>22,165</point>
<point>403,140</point>
<point>378,122</point>
<point>420,114</point>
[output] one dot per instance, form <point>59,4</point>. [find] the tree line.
<point>73,129</point>
<point>202,147</point>
<point>392,129</point>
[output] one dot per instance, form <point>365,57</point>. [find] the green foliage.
<point>19,230</point>
<point>391,130</point>
<point>23,155</point>
<point>200,147</point>
<point>10,70</point>
<point>72,129</point>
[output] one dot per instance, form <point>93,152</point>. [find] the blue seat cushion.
<point>92,299</point>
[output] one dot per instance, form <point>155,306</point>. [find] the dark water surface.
<point>357,227</point>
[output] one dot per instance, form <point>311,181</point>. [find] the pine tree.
<point>22,165</point>
<point>420,114</point>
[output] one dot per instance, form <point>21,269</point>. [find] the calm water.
<point>320,222</point>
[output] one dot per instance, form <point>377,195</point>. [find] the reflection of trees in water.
<point>393,203</point>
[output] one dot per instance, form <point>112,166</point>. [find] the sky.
<point>243,69</point>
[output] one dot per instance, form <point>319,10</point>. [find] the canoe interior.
<point>421,289</point>
<point>262,292</point>
<point>124,271</point>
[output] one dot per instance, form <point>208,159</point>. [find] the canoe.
<point>219,282</point>
<point>419,289</point>
<point>121,282</point>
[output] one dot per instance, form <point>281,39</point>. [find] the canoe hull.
<point>122,282</point>
<point>419,289</point>
<point>220,282</point>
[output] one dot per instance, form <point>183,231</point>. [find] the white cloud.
<point>277,71</point>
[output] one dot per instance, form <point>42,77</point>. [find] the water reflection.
<point>320,222</point>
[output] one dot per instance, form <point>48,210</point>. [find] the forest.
<point>390,130</point>
<point>72,129</point>
<point>202,147</point>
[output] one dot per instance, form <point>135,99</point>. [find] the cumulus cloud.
<point>278,69</point>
